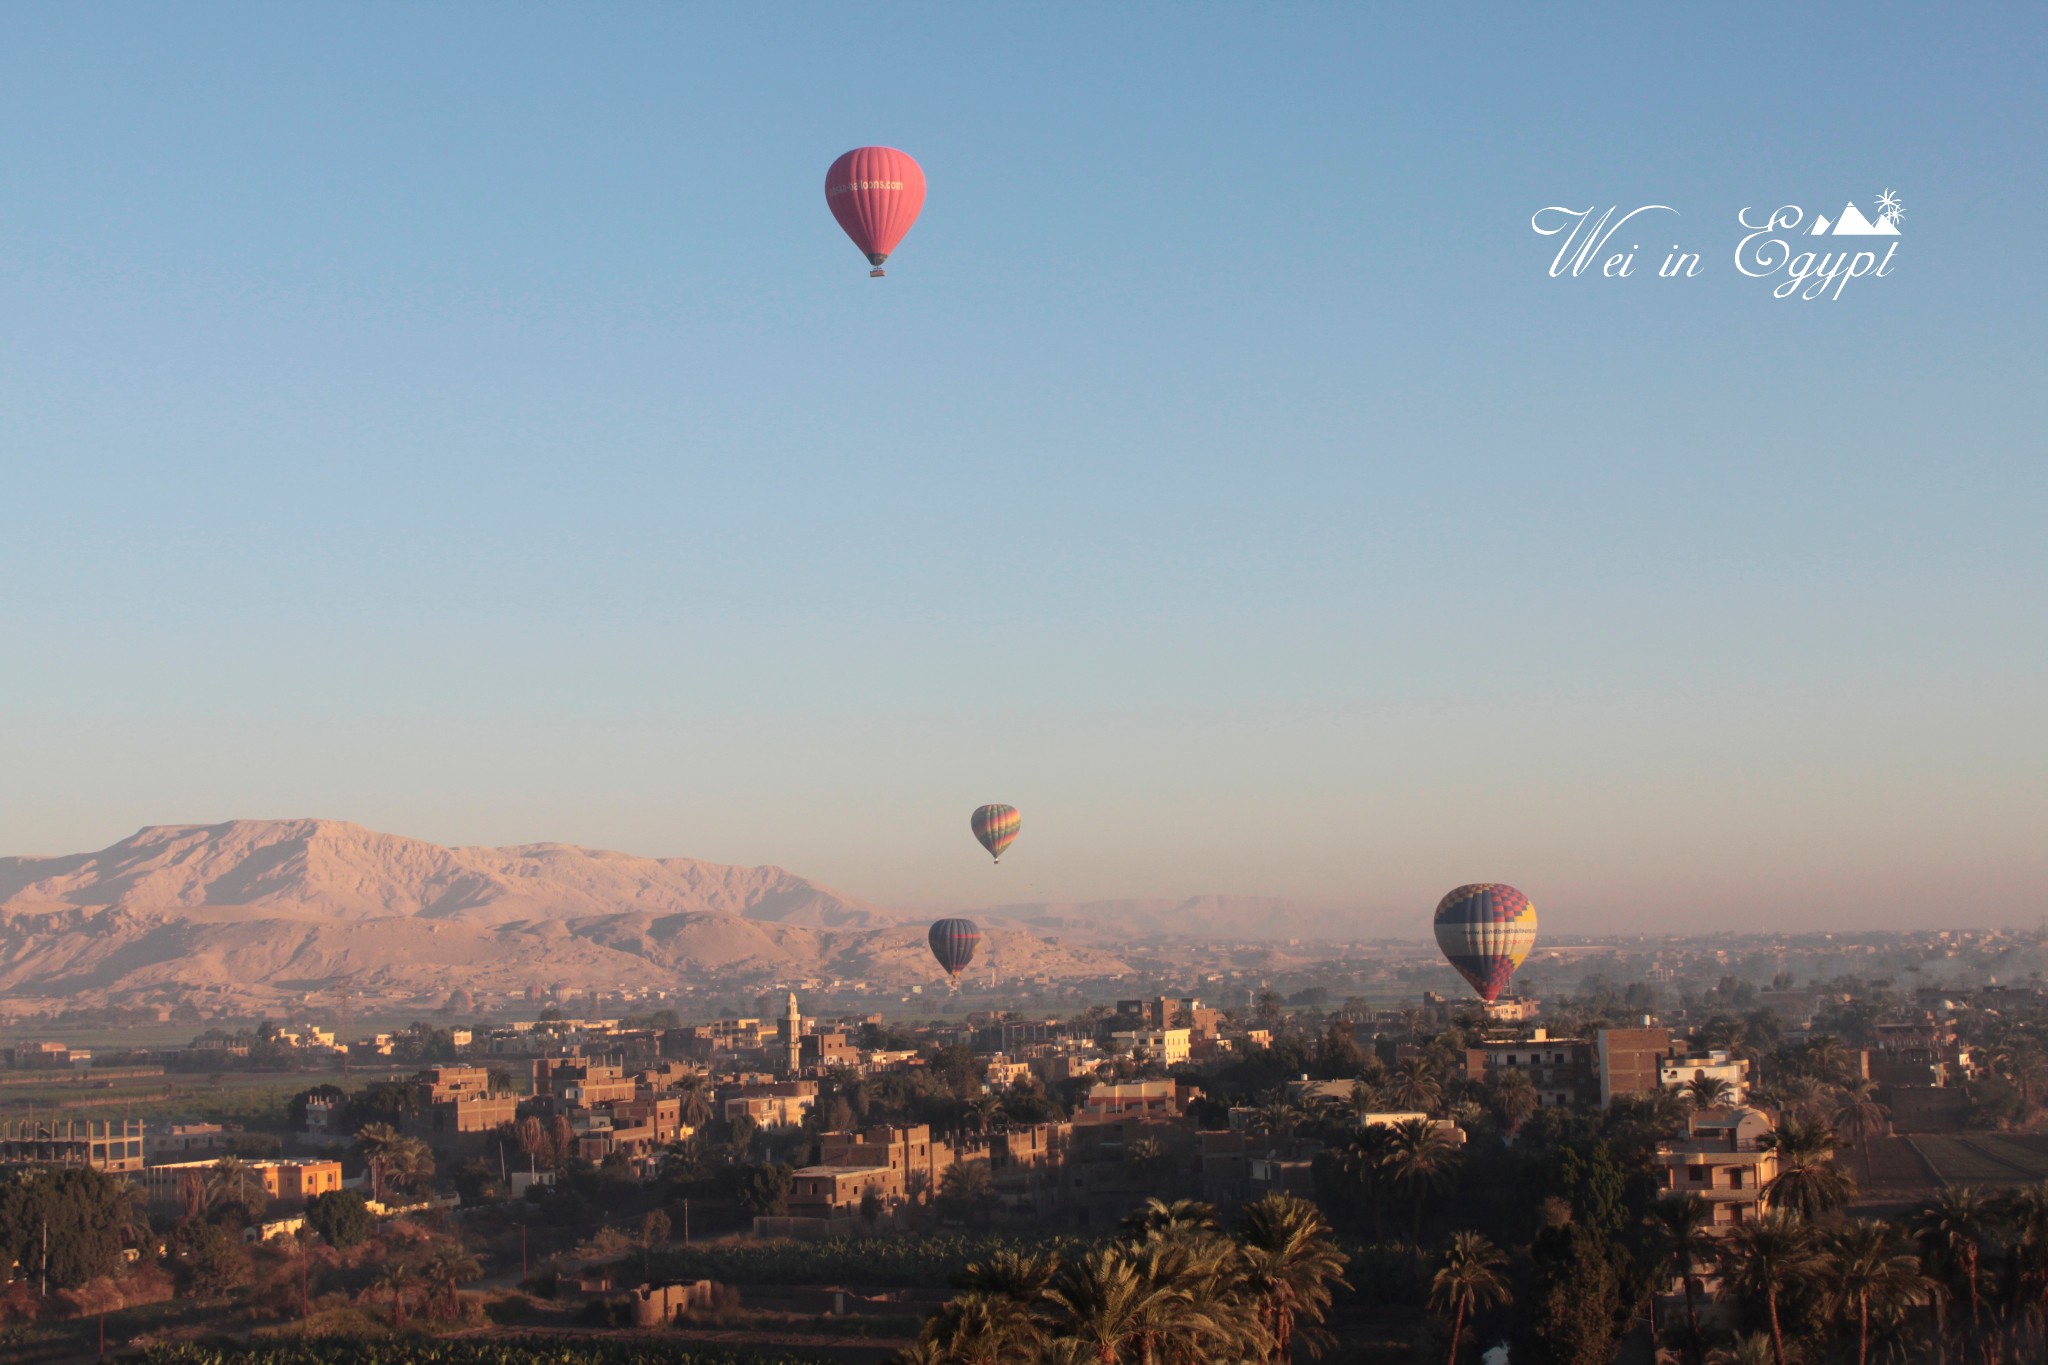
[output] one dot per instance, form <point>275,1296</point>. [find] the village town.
<point>637,1172</point>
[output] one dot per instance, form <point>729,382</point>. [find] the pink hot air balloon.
<point>875,193</point>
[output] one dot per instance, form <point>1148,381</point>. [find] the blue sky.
<point>468,421</point>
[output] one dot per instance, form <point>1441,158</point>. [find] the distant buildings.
<point>110,1145</point>
<point>1578,1072</point>
<point>1114,1099</point>
<point>184,1184</point>
<point>47,1057</point>
<point>170,1141</point>
<point>460,1099</point>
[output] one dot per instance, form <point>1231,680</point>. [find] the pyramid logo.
<point>1851,222</point>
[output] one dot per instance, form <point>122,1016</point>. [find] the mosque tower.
<point>792,1035</point>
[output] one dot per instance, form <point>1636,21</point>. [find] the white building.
<point>1166,1046</point>
<point>1676,1073</point>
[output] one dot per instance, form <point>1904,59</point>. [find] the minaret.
<point>792,1034</point>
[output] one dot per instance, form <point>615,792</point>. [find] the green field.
<point>1985,1159</point>
<point>254,1099</point>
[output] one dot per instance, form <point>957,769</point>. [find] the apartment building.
<point>170,1141</point>
<point>1629,1061</point>
<point>110,1145</point>
<point>1722,1159</point>
<point>1562,1070</point>
<point>1112,1099</point>
<point>1163,1046</point>
<point>817,1051</point>
<point>909,1149</point>
<point>182,1184</point>
<point>458,1099</point>
<point>837,1192</point>
<point>771,1104</point>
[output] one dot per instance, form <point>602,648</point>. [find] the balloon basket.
<point>876,274</point>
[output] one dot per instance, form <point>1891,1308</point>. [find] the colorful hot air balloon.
<point>875,193</point>
<point>996,827</point>
<point>1486,930</point>
<point>953,943</point>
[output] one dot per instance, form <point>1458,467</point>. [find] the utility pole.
<point>686,1222</point>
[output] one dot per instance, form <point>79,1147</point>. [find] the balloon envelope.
<point>1486,930</point>
<point>996,827</point>
<point>875,193</point>
<point>953,943</point>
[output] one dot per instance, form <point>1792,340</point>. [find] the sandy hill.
<point>327,870</point>
<point>266,912</point>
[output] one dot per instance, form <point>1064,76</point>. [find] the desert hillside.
<point>268,913</point>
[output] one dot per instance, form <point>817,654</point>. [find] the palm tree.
<point>1290,1265</point>
<point>1683,1227</point>
<point>1709,1092</point>
<point>985,1109</point>
<point>377,1143</point>
<point>1468,1281</point>
<point>1022,1276</point>
<point>927,1349</point>
<point>694,1090</point>
<point>1802,1097</point>
<point>1808,1181</point>
<point>1197,1309</point>
<point>985,1329</point>
<point>2021,1061</point>
<point>1725,1033</point>
<point>234,1181</point>
<point>1664,1110</point>
<point>1359,1159</point>
<point>1180,1218</point>
<point>1512,1096</point>
<point>1859,1117</point>
<point>1274,1114</point>
<point>1764,1259</point>
<point>1953,1231</point>
<point>1868,1265</point>
<point>2024,1210</point>
<point>1415,1086</point>
<point>396,1276</point>
<point>1102,1304</point>
<point>1827,1055</point>
<point>1419,1160</point>
<point>1752,1348</point>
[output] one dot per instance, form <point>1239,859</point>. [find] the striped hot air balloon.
<point>996,827</point>
<point>1486,930</point>
<point>953,943</point>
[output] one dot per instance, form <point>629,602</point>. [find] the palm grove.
<point>1548,1228</point>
